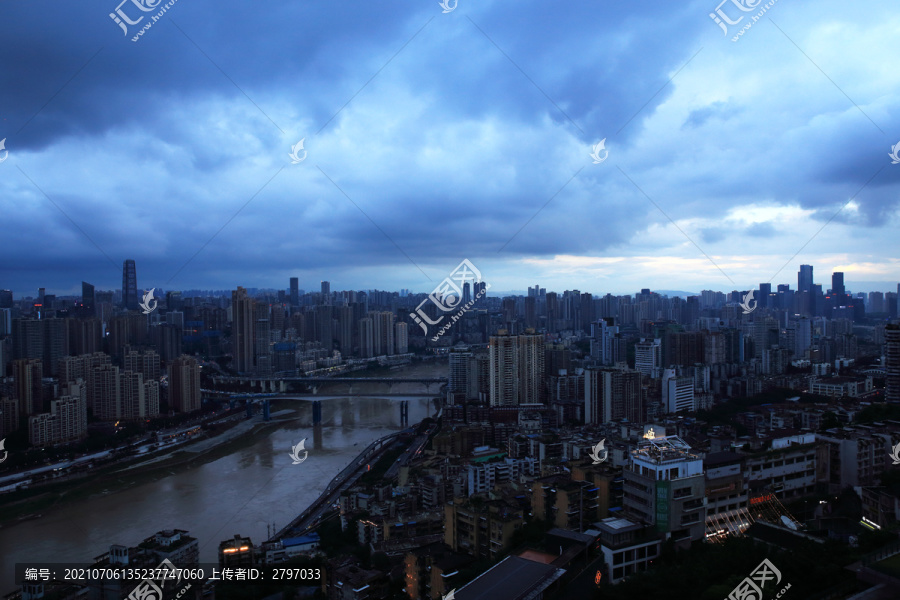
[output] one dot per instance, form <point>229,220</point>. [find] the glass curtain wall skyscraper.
<point>129,285</point>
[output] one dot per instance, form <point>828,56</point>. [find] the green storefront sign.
<point>662,505</point>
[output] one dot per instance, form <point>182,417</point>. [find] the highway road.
<point>348,478</point>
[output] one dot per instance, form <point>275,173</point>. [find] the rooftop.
<point>511,579</point>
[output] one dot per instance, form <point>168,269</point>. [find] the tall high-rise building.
<point>6,298</point>
<point>802,338</point>
<point>602,335</point>
<point>805,278</point>
<point>28,338</point>
<point>765,290</point>
<point>459,368</point>
<point>611,395</point>
<point>677,392</point>
<point>184,384</point>
<point>516,369</point>
<point>85,336</point>
<point>892,362</point>
<point>647,356</point>
<point>326,292</point>
<point>876,303</point>
<point>56,343</point>
<point>262,338</point>
<point>324,326</point>
<point>28,375</point>
<point>130,299</point>
<point>345,320</point>
<point>504,369</point>
<point>837,284</point>
<point>367,337</point>
<point>243,319</point>
<point>146,363</point>
<point>88,299</point>
<point>73,368</point>
<point>5,321</point>
<point>105,393</point>
<point>383,323</point>
<point>45,339</point>
<point>531,368</point>
<point>401,337</point>
<point>295,291</point>
<point>132,396</point>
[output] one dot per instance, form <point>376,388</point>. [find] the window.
<point>617,573</point>
<point>617,558</point>
<point>682,492</point>
<point>629,556</point>
<point>642,552</point>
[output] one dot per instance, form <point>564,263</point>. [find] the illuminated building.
<point>664,486</point>
<point>237,552</point>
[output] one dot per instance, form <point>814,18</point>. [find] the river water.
<point>236,494</point>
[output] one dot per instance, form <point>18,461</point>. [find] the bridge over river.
<point>280,384</point>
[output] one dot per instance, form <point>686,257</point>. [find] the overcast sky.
<point>431,137</point>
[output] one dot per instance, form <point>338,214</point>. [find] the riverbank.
<point>37,502</point>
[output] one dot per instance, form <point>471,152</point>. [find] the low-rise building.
<point>627,547</point>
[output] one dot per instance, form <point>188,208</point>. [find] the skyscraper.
<point>765,290</point>
<point>87,298</point>
<point>184,384</point>
<point>516,369</point>
<point>401,337</point>
<point>366,337</point>
<point>295,292</point>
<point>504,391</point>
<point>383,333</point>
<point>459,363</point>
<point>531,368</point>
<point>647,355</point>
<point>243,321</point>
<point>837,284</point>
<point>129,285</point>
<point>805,278</point>
<point>326,292</point>
<point>611,395</point>
<point>27,376</point>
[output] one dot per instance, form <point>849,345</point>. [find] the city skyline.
<point>721,172</point>
<point>825,281</point>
